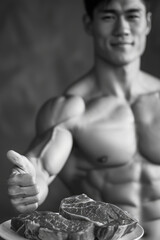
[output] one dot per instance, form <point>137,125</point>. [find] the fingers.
<point>22,180</point>
<point>17,191</point>
<point>21,162</point>
<point>25,201</point>
<point>25,205</point>
<point>23,192</point>
<point>22,202</point>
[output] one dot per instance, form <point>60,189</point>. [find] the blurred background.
<point>43,48</point>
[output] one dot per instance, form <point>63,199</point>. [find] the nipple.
<point>102,159</point>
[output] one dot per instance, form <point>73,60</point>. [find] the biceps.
<point>57,150</point>
<point>53,149</point>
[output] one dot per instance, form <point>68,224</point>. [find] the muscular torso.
<point>116,156</point>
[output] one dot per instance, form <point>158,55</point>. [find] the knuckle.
<point>27,179</point>
<point>34,206</point>
<point>12,191</point>
<point>9,191</point>
<point>15,202</point>
<point>11,181</point>
<point>21,208</point>
<point>36,199</point>
<point>31,207</point>
<point>36,189</point>
<point>24,207</point>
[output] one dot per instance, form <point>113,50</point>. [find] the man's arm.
<point>47,154</point>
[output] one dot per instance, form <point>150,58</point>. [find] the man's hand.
<point>22,186</point>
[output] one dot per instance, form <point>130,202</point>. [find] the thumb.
<point>21,162</point>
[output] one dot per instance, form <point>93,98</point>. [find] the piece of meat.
<point>51,226</point>
<point>18,224</point>
<point>110,221</point>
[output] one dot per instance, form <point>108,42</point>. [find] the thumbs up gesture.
<point>22,187</point>
<point>21,163</point>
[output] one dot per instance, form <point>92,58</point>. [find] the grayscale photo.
<point>80,120</point>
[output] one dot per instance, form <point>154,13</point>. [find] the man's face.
<point>119,30</point>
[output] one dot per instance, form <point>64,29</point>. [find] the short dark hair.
<point>90,5</point>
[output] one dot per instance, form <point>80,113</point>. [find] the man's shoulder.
<point>84,86</point>
<point>151,82</point>
<point>58,110</point>
<point>150,89</point>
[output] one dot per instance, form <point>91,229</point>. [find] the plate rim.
<point>6,225</point>
<point>138,227</point>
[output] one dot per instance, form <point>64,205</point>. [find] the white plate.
<point>8,234</point>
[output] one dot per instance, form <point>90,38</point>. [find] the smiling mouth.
<point>121,44</point>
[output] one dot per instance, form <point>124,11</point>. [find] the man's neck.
<point>117,80</point>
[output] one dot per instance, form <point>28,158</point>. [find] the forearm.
<point>42,179</point>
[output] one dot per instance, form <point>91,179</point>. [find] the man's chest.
<point>114,131</point>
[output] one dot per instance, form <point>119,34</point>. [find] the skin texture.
<point>102,136</point>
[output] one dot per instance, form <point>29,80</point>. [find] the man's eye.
<point>108,17</point>
<point>133,17</point>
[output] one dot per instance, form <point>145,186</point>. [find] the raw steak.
<point>51,226</point>
<point>110,221</point>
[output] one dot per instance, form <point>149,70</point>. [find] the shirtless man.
<point>102,136</point>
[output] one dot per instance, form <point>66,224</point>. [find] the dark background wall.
<point>43,48</point>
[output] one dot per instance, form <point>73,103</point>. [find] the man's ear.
<point>149,22</point>
<point>87,22</point>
